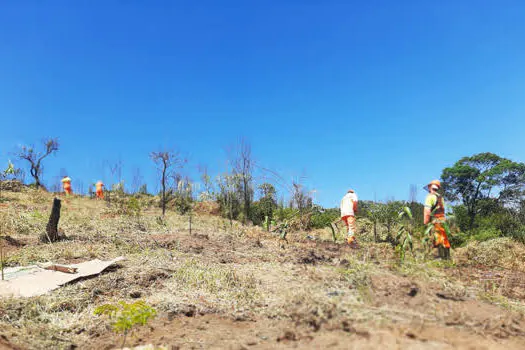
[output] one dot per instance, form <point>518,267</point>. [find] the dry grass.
<point>500,252</point>
<point>238,272</point>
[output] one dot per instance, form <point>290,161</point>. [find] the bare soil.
<point>242,288</point>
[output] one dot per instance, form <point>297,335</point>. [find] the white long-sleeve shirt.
<point>347,204</point>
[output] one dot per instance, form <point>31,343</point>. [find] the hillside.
<point>242,288</point>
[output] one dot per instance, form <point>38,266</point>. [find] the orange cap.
<point>435,183</point>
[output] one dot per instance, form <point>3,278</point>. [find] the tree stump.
<point>52,234</point>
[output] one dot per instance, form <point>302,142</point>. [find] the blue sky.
<point>370,95</point>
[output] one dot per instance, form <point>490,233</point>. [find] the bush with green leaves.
<point>257,213</point>
<point>459,239</point>
<point>134,208</point>
<point>323,218</point>
<point>124,316</point>
<point>484,234</point>
<point>518,234</point>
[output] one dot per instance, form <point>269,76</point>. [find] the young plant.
<point>404,240</point>
<point>10,171</point>
<point>283,229</point>
<point>125,316</point>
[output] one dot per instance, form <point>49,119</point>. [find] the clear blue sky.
<point>373,95</point>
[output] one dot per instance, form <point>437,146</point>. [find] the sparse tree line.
<point>242,193</point>
<point>485,193</point>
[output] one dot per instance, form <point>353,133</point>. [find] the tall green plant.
<point>404,238</point>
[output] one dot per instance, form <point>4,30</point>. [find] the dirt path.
<point>216,332</point>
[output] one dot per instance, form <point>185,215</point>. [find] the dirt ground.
<point>237,287</point>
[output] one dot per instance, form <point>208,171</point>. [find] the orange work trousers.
<point>349,221</point>
<point>440,235</point>
<point>68,189</point>
<point>100,194</point>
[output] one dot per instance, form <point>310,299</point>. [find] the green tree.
<point>268,202</point>
<point>483,176</point>
<point>389,215</point>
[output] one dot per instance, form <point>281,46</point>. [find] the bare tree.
<point>302,201</point>
<point>35,157</point>
<point>137,180</point>
<point>208,191</point>
<point>243,165</point>
<point>116,171</point>
<point>412,195</point>
<point>166,162</point>
<point>228,196</point>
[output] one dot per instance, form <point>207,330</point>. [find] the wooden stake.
<point>52,225</point>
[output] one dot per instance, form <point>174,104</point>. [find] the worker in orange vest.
<point>66,184</point>
<point>99,190</point>
<point>434,212</point>
<point>348,212</point>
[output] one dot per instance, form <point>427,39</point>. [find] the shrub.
<point>517,234</point>
<point>484,234</point>
<point>125,316</point>
<point>324,218</point>
<point>257,213</point>
<point>458,240</point>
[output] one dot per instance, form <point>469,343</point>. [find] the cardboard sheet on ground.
<point>30,281</point>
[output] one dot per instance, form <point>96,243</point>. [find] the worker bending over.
<point>434,212</point>
<point>348,212</point>
<point>66,184</point>
<point>99,190</point>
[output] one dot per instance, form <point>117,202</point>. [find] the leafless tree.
<point>137,180</point>
<point>166,162</point>
<point>208,191</point>
<point>35,157</point>
<point>243,164</point>
<point>412,196</point>
<point>80,187</point>
<point>57,184</point>
<point>116,170</point>
<point>301,199</point>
